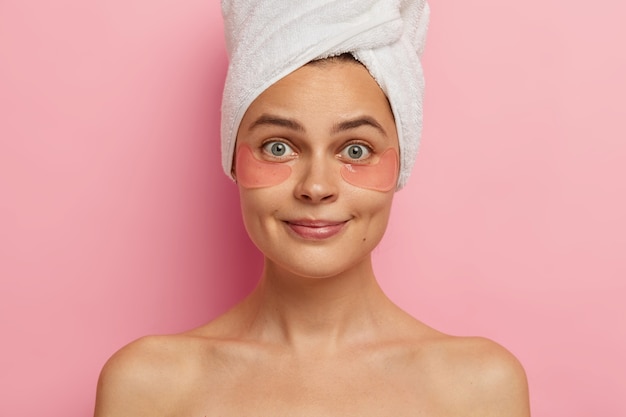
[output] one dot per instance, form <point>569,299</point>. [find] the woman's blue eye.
<point>356,151</point>
<point>277,148</point>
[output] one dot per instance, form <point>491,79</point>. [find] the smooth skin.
<point>317,337</point>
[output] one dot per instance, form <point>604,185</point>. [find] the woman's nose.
<point>317,182</point>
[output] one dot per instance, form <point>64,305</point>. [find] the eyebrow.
<point>358,122</point>
<point>273,120</point>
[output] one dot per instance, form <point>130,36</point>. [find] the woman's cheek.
<point>253,173</point>
<point>381,176</point>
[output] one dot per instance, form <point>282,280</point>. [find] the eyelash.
<point>268,153</point>
<point>359,143</point>
<point>343,149</point>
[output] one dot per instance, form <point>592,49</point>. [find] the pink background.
<point>116,220</point>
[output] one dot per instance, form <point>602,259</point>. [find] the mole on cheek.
<point>381,176</point>
<point>253,173</point>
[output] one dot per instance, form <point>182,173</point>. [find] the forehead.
<point>332,87</point>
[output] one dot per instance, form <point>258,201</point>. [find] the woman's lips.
<point>315,229</point>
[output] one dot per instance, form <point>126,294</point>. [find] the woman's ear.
<point>233,170</point>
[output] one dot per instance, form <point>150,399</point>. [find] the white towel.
<point>268,39</point>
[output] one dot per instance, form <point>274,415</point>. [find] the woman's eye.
<point>277,149</point>
<point>356,152</point>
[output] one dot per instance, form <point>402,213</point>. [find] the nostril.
<point>320,196</point>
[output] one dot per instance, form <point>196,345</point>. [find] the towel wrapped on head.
<point>268,39</point>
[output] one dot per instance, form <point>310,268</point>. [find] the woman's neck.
<point>319,313</point>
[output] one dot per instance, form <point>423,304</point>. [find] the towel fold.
<point>268,39</point>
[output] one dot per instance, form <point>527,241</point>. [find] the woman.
<point>317,156</point>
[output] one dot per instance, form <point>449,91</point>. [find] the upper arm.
<point>499,386</point>
<point>131,383</point>
<point>475,377</point>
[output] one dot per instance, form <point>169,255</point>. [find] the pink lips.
<point>315,229</point>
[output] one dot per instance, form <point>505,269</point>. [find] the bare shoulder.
<point>162,375</point>
<point>477,377</point>
<point>145,378</point>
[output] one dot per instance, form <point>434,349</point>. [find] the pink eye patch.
<point>381,176</point>
<point>254,173</point>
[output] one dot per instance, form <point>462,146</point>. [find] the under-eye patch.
<point>254,173</point>
<point>381,176</point>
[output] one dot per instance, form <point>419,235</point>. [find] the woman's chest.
<point>326,391</point>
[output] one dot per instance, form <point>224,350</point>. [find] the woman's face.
<point>317,165</point>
